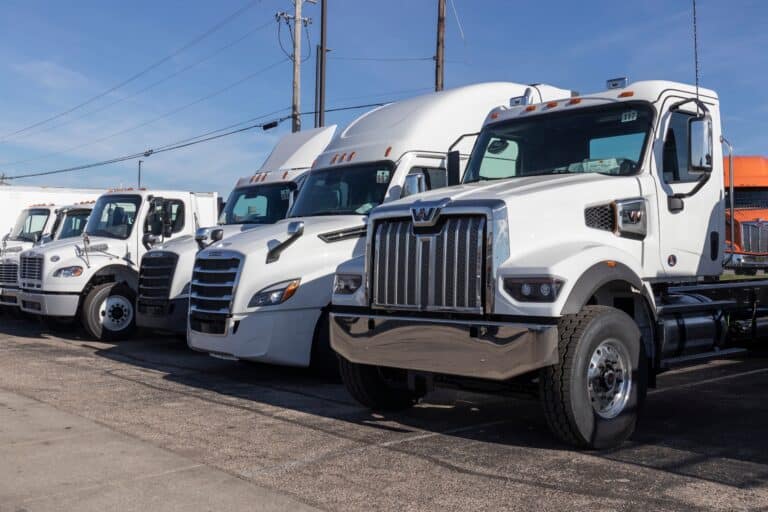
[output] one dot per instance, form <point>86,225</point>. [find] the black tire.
<point>58,323</point>
<point>367,385</point>
<point>565,387</point>
<point>323,360</point>
<point>91,315</point>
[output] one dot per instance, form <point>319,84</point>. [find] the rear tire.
<point>593,395</point>
<point>108,312</point>
<point>367,385</point>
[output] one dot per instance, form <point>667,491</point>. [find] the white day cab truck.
<point>580,257</point>
<point>35,225</point>
<point>95,277</point>
<point>166,271</point>
<point>261,295</point>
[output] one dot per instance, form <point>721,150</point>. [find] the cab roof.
<point>428,123</point>
<point>291,156</point>
<point>748,171</point>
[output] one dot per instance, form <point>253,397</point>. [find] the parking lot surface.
<point>150,425</point>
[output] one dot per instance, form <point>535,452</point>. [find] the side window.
<point>675,159</point>
<point>177,215</point>
<point>436,177</point>
<point>500,159</point>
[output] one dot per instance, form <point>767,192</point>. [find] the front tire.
<point>593,395</point>
<point>368,386</point>
<point>109,313</point>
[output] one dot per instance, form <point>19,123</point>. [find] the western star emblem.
<point>426,214</point>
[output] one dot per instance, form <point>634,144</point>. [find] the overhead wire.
<point>144,71</point>
<point>150,86</point>
<point>191,141</point>
<point>165,115</point>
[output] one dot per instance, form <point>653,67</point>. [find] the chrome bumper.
<point>485,350</point>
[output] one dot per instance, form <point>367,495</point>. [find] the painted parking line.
<point>708,381</point>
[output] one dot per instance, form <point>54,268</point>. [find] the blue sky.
<point>56,54</point>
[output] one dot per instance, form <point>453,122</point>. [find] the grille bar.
<point>213,283</point>
<point>754,236</point>
<point>31,267</point>
<point>9,273</point>
<point>439,269</point>
<point>156,277</point>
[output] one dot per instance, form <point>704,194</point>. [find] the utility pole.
<point>298,23</point>
<point>440,52</point>
<point>140,173</point>
<point>323,51</point>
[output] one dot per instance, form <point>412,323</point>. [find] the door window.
<point>675,154</point>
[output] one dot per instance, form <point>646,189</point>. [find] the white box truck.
<point>261,295</point>
<point>258,200</point>
<point>580,257</point>
<point>35,225</point>
<point>95,277</point>
<point>14,198</point>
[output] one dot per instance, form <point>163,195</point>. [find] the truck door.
<point>691,232</point>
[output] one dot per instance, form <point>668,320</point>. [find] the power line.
<point>184,143</point>
<point>153,84</point>
<point>382,59</point>
<point>155,119</point>
<point>141,73</point>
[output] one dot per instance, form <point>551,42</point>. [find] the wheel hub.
<point>609,378</point>
<point>116,313</point>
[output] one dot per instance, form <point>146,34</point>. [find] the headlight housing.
<point>275,294</point>
<point>75,271</point>
<point>533,289</point>
<point>347,284</point>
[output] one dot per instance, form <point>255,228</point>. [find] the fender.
<point>594,278</point>
<point>118,273</point>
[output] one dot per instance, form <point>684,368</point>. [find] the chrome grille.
<point>9,273</point>
<point>155,278</point>
<point>213,283</point>
<point>754,236</point>
<point>438,268</point>
<point>31,268</point>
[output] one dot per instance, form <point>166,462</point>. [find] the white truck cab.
<point>256,201</point>
<point>36,225</point>
<point>261,295</point>
<point>578,259</point>
<point>95,276</point>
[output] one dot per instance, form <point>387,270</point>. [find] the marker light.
<point>388,151</point>
<point>574,101</point>
<point>626,94</point>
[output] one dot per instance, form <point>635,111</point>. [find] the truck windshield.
<point>31,222</point>
<point>605,139</point>
<point>72,224</point>
<point>113,216</point>
<point>258,204</point>
<point>350,190</point>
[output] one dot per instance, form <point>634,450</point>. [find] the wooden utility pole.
<point>323,51</point>
<point>298,24</point>
<point>440,53</point>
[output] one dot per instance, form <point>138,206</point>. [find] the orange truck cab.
<point>748,249</point>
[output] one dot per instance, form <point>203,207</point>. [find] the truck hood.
<point>69,248</point>
<point>187,243</point>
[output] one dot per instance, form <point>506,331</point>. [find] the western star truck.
<point>258,200</point>
<point>580,257</point>
<point>749,252</point>
<point>261,295</point>
<point>36,225</point>
<point>95,277</point>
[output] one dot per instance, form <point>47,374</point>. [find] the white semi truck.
<point>580,257</point>
<point>261,295</point>
<point>36,225</point>
<point>95,277</point>
<point>258,200</point>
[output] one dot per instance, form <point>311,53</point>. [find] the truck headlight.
<point>69,272</point>
<point>347,284</point>
<point>533,289</point>
<point>275,294</point>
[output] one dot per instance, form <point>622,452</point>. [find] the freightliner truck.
<point>36,225</point>
<point>580,257</point>
<point>261,295</point>
<point>749,249</point>
<point>95,277</point>
<point>258,200</point>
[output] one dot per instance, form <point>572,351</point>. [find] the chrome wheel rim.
<point>116,313</point>
<point>609,378</point>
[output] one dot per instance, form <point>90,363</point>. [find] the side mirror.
<point>148,240</point>
<point>296,229</point>
<point>414,184</point>
<point>700,147</point>
<point>37,237</point>
<point>454,168</point>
